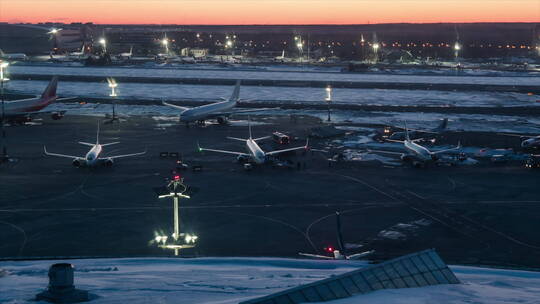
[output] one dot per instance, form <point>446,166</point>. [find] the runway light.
<point>457,47</point>
<point>376,46</point>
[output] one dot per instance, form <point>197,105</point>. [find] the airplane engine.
<point>76,163</point>
<point>57,116</point>
<point>417,164</point>
<point>406,158</point>
<point>241,159</point>
<point>222,120</point>
<point>109,162</point>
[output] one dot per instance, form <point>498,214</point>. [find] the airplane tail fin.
<point>131,50</point>
<point>442,125</point>
<point>97,134</point>
<point>82,49</point>
<point>50,90</point>
<point>236,93</point>
<point>407,137</point>
<point>2,52</point>
<point>339,234</point>
<point>249,126</point>
<point>283,54</point>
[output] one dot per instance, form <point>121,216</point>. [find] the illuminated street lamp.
<point>328,99</point>
<point>113,85</point>
<point>103,43</point>
<point>165,43</point>
<point>375,47</point>
<point>4,156</point>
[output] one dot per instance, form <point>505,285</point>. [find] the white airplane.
<point>58,58</point>
<point>417,133</point>
<point>254,152</point>
<point>13,56</point>
<point>282,58</point>
<point>338,254</point>
<point>78,54</point>
<point>218,110</point>
<point>415,153</point>
<point>93,157</point>
<point>126,55</point>
<point>23,110</point>
<point>527,141</point>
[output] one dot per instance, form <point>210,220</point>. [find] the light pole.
<point>53,32</point>
<point>113,84</point>
<point>375,51</point>
<point>103,42</point>
<point>176,189</point>
<point>165,43</point>
<point>4,157</point>
<point>328,99</point>
<point>457,48</point>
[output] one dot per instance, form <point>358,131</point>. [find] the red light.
<point>330,249</point>
<point>177,177</point>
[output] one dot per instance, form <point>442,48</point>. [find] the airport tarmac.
<point>477,215</point>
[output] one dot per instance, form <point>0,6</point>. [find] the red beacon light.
<point>330,249</point>
<point>177,177</point>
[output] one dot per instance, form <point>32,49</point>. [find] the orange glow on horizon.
<point>267,11</point>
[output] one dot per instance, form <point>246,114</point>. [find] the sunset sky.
<point>268,11</point>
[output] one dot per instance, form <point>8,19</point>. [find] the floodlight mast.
<point>177,189</point>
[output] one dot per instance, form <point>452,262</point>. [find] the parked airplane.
<point>527,141</point>
<point>254,152</point>
<point>341,253</point>
<point>77,55</point>
<point>282,58</point>
<point>93,157</point>
<point>13,56</point>
<point>126,55</point>
<point>219,110</point>
<point>416,153</point>
<point>417,133</point>
<point>23,110</point>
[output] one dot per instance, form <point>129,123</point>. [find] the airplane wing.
<point>316,256</point>
<point>387,152</point>
<point>415,130</point>
<point>289,149</point>
<point>122,156</point>
<point>59,155</point>
<point>516,135</point>
<point>360,255</point>
<point>448,150</point>
<point>262,138</point>
<point>66,98</point>
<point>395,140</point>
<point>236,138</point>
<point>34,113</point>
<point>212,115</point>
<point>224,151</point>
<point>174,106</point>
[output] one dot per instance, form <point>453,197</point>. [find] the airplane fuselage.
<point>17,107</point>
<point>92,157</point>
<point>257,154</point>
<point>533,142</point>
<point>14,56</point>
<point>421,152</point>
<point>202,112</point>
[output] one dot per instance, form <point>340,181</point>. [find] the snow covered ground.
<point>531,79</point>
<point>286,95</point>
<point>231,280</point>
